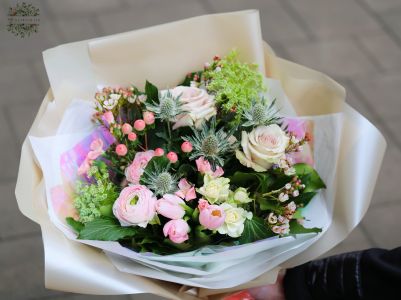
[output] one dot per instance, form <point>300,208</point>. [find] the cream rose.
<point>197,104</point>
<point>215,190</point>
<point>234,221</point>
<point>262,147</point>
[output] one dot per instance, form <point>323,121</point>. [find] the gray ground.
<point>357,42</point>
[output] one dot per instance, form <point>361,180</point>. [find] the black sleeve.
<point>370,274</point>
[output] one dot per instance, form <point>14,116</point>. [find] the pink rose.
<point>197,104</point>
<point>176,230</point>
<point>187,190</point>
<point>204,167</point>
<point>170,207</point>
<point>126,128</point>
<point>212,217</point>
<point>121,150</point>
<point>134,171</point>
<point>135,206</point>
<point>108,118</point>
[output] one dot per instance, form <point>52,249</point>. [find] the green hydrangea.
<point>96,198</point>
<point>235,84</point>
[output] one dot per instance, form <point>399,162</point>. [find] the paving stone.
<point>393,20</point>
<point>74,8</point>
<point>144,13</point>
<point>17,84</point>
<point>382,92</point>
<point>21,117</point>
<point>277,23</point>
<point>383,5</point>
<point>384,50</point>
<point>76,29</point>
<point>328,19</point>
<point>9,156</point>
<point>357,240</point>
<point>22,269</point>
<point>383,224</point>
<point>338,58</point>
<point>12,222</point>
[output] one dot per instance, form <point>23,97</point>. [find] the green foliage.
<point>254,181</point>
<point>105,229</point>
<point>296,228</point>
<point>151,91</point>
<point>76,225</point>
<point>94,199</point>
<point>309,177</point>
<point>254,230</point>
<point>236,84</point>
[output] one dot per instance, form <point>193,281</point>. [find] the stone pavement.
<point>357,42</point>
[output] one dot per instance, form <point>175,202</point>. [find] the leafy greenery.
<point>254,230</point>
<point>76,225</point>
<point>235,83</point>
<point>151,91</point>
<point>296,228</point>
<point>309,177</point>
<point>105,229</point>
<point>94,199</point>
<point>255,181</point>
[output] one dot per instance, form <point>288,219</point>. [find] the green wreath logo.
<point>23,19</point>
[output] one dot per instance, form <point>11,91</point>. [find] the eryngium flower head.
<point>211,143</point>
<point>167,108</point>
<point>261,113</point>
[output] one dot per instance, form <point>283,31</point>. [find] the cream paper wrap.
<point>163,54</point>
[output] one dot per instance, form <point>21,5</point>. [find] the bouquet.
<point>247,164</point>
<point>208,162</point>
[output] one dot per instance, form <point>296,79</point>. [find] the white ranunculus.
<point>197,105</point>
<point>262,147</point>
<point>234,221</point>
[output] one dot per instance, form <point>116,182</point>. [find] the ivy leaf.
<point>254,230</point>
<point>76,225</point>
<point>258,182</point>
<point>105,229</point>
<point>304,198</point>
<point>151,91</point>
<point>309,177</point>
<point>296,228</point>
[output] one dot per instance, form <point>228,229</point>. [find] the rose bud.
<point>126,128</point>
<point>172,156</point>
<point>149,117</point>
<point>186,147</point>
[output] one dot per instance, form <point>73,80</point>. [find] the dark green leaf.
<point>151,91</point>
<point>296,228</point>
<point>105,230</point>
<point>309,177</point>
<point>257,182</point>
<point>254,230</point>
<point>304,198</point>
<point>76,225</point>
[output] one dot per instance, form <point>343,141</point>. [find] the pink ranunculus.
<point>159,152</point>
<point>108,118</point>
<point>139,125</point>
<point>212,217</point>
<point>134,171</point>
<point>176,230</point>
<point>202,204</point>
<point>121,150</point>
<point>135,206</point>
<point>187,190</point>
<point>170,207</point>
<point>203,165</point>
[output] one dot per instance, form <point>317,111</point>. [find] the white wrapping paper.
<point>75,69</point>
